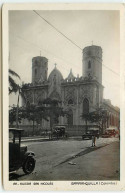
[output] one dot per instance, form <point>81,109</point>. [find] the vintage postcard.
<point>63,97</point>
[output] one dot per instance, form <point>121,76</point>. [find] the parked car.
<point>90,133</point>
<point>111,132</point>
<point>59,132</point>
<point>19,156</point>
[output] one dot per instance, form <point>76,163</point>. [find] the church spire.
<point>70,76</point>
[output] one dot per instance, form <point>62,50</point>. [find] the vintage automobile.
<point>90,133</point>
<point>59,132</point>
<point>111,132</point>
<point>19,157</point>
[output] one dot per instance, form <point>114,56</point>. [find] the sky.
<point>30,35</point>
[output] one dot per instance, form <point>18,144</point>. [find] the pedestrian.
<point>93,140</point>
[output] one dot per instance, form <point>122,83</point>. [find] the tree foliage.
<point>53,110</point>
<point>31,113</point>
<point>99,116</point>
<point>47,109</point>
<point>13,86</point>
<point>35,113</point>
<point>13,115</point>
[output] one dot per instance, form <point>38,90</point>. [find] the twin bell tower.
<point>91,65</point>
<point>92,62</point>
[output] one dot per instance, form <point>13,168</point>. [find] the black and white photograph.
<point>63,95</point>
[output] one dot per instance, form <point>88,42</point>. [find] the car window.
<point>10,137</point>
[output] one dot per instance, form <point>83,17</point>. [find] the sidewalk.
<point>40,138</point>
<point>34,139</point>
<point>100,164</point>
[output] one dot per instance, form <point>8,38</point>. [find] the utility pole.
<point>17,111</point>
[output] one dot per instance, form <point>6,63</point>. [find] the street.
<point>73,159</point>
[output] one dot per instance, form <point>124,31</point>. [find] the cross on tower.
<point>92,43</point>
<point>55,65</point>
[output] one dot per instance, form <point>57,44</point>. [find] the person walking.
<point>93,140</point>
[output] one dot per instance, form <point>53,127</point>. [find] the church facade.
<point>76,94</point>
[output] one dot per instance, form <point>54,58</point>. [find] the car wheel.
<point>29,165</point>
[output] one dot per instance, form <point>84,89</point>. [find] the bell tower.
<point>39,69</point>
<point>92,62</point>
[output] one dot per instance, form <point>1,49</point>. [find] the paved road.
<point>51,154</point>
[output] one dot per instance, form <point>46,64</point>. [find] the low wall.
<point>75,130</point>
<point>28,130</point>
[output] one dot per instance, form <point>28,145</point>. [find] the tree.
<point>13,115</point>
<point>53,110</point>
<point>13,86</point>
<point>85,114</point>
<point>86,117</point>
<point>31,112</point>
<point>99,116</point>
<point>35,113</point>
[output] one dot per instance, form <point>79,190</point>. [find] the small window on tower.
<point>89,65</point>
<point>35,71</point>
<point>36,62</point>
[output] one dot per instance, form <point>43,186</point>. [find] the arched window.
<point>28,104</point>
<point>40,98</point>
<point>89,65</point>
<point>70,117</point>
<point>85,106</point>
<point>70,102</point>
